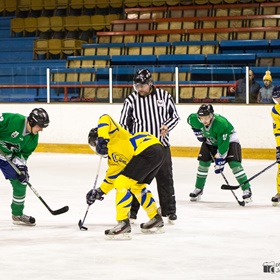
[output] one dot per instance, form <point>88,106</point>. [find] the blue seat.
<point>243,46</point>
<point>231,59</point>
<point>181,59</point>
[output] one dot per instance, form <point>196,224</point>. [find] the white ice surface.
<point>212,239</point>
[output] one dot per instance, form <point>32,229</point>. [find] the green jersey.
<point>219,133</point>
<point>15,140</point>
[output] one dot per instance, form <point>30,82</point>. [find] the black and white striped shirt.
<point>149,113</point>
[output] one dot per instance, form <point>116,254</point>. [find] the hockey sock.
<point>202,173</point>
<point>145,198</point>
<point>19,191</point>
<point>239,173</point>
<point>123,196</point>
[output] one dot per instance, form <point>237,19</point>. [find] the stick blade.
<point>229,187</point>
<point>81,226</point>
<point>60,211</point>
<point>242,203</point>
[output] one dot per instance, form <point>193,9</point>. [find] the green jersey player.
<point>219,138</point>
<point>18,139</point>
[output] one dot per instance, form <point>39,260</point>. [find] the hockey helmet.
<point>141,77</point>
<point>92,137</point>
<point>205,110</point>
<point>276,92</point>
<point>38,116</point>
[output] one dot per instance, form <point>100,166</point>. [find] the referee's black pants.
<point>165,188</point>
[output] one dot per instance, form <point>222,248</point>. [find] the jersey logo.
<point>14,148</point>
<point>120,159</point>
<point>14,134</point>
<point>160,103</point>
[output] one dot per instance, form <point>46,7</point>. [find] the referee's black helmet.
<point>142,76</point>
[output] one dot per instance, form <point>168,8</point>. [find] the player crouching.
<point>133,162</point>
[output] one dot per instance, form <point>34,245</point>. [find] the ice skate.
<point>24,220</point>
<point>172,218</point>
<point>247,195</point>
<point>121,231</point>
<point>155,225</point>
<point>196,194</point>
<point>275,199</point>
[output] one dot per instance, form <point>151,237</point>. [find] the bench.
<point>88,61</point>
<point>133,60</point>
<point>231,59</point>
<point>72,74</point>
<point>198,34</point>
<point>154,48</point>
<point>244,46</point>
<point>103,49</point>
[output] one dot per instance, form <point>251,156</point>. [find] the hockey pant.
<point>236,168</point>
<point>165,188</point>
<point>124,187</point>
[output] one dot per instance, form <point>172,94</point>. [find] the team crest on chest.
<point>14,134</point>
<point>119,158</point>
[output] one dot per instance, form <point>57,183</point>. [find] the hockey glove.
<point>94,194</point>
<point>198,134</point>
<point>278,154</point>
<point>219,164</point>
<point>23,177</point>
<point>101,146</point>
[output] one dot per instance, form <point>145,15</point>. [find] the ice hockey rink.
<point>212,239</point>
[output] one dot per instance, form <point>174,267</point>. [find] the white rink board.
<point>71,122</point>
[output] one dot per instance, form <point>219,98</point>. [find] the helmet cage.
<point>92,138</point>
<point>276,92</point>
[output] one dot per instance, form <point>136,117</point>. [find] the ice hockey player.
<point>275,113</point>
<point>133,162</point>
<point>18,139</point>
<point>219,138</point>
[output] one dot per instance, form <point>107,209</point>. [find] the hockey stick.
<point>229,187</point>
<point>53,212</point>
<point>241,203</point>
<point>81,223</point>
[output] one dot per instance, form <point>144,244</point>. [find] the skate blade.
<point>19,223</point>
<point>153,230</point>
<point>248,200</point>
<point>275,204</point>
<point>121,236</point>
<point>171,222</point>
<point>198,198</point>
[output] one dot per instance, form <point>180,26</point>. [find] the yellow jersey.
<point>122,146</point>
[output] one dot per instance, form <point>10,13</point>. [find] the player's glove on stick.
<point>198,134</point>
<point>23,177</point>
<point>219,164</point>
<point>278,154</point>
<point>94,194</point>
<point>101,146</point>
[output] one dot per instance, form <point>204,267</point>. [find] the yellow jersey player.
<point>133,162</point>
<point>275,113</point>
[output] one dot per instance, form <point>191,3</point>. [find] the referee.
<point>153,110</point>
